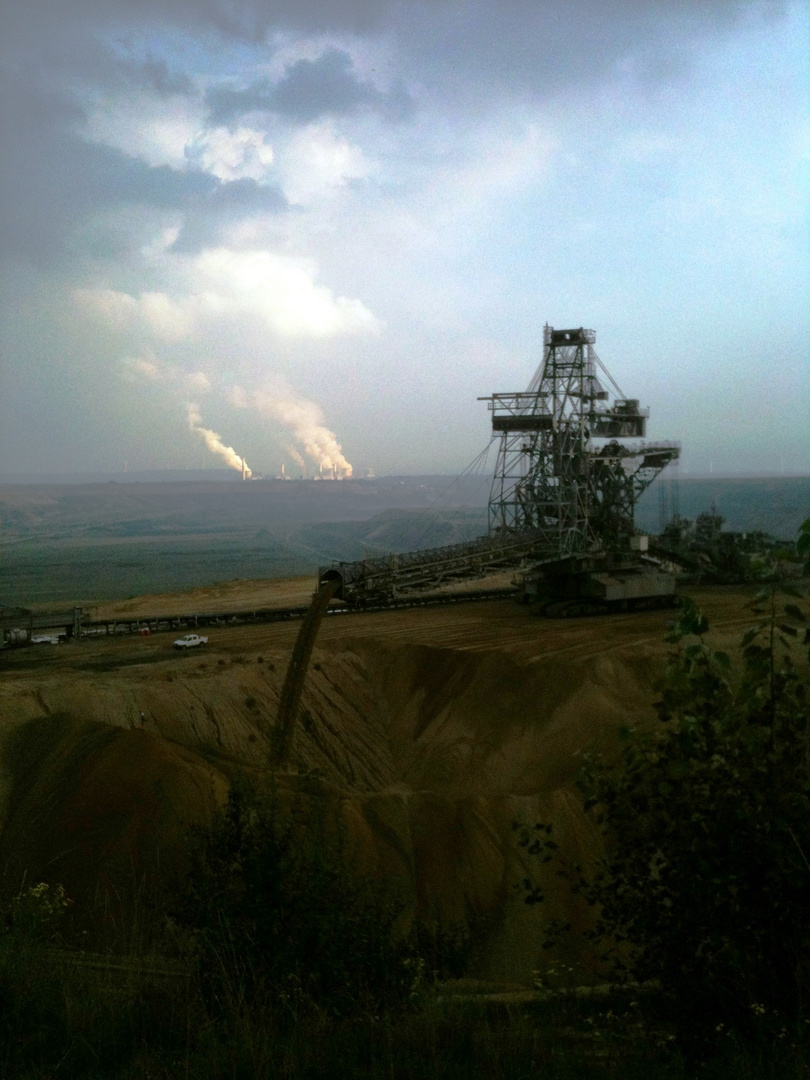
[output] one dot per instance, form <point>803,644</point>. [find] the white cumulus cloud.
<point>225,284</point>
<point>172,131</point>
<point>316,162</point>
<point>147,127</point>
<point>281,291</point>
<point>232,155</point>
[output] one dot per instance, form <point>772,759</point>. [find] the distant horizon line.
<point>230,476</point>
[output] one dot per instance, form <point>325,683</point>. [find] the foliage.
<point>728,557</point>
<point>271,906</point>
<point>704,887</point>
<point>803,544</point>
<point>706,881</point>
<point>94,1027</point>
<point>35,913</point>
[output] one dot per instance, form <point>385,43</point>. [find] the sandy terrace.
<point>428,732</point>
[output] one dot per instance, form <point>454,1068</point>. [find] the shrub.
<point>272,908</point>
<point>35,913</point>
<point>803,545</point>
<point>706,881</point>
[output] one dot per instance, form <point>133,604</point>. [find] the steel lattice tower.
<point>561,470</point>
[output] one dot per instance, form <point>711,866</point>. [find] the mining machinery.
<point>561,507</point>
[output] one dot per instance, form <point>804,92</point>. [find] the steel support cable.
<point>475,468</point>
<point>441,502</point>
<point>614,384</point>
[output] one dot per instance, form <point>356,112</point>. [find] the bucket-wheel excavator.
<point>561,508</point>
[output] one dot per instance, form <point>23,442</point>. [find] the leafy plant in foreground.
<point>273,909</point>
<point>803,544</point>
<point>706,881</point>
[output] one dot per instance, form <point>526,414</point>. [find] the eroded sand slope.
<point>427,733</point>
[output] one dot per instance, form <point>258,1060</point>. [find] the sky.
<point>314,232</point>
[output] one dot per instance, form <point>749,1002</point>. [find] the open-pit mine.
<point>427,733</point>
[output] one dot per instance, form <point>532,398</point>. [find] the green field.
<point>88,543</point>
<point>77,571</point>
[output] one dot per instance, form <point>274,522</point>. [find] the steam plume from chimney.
<point>296,457</point>
<point>214,443</point>
<point>306,420</point>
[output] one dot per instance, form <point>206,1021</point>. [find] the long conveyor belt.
<point>371,581</point>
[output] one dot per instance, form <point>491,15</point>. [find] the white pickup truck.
<point>190,641</point>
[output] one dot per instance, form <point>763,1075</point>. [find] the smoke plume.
<point>150,368</point>
<point>306,421</point>
<point>213,441</point>
<point>296,457</point>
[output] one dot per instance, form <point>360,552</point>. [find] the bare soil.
<point>427,732</point>
<point>224,596</point>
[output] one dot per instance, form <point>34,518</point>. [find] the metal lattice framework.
<point>564,485</point>
<point>561,470</point>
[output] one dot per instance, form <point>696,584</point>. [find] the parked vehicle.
<point>190,641</point>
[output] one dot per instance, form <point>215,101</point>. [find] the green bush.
<point>803,545</point>
<point>704,887</point>
<point>706,881</point>
<point>272,908</point>
<point>35,913</point>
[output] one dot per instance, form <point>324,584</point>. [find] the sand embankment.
<point>427,732</point>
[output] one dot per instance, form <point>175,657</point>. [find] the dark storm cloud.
<point>313,87</point>
<point>528,45</point>
<point>472,52</point>
<point>36,22</point>
<point>154,74</point>
<point>460,54</point>
<point>51,178</point>
<point>310,89</point>
<point>513,20</point>
<point>253,20</point>
<point>528,41</point>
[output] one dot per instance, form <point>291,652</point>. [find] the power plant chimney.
<point>283,474</point>
<point>244,470</point>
